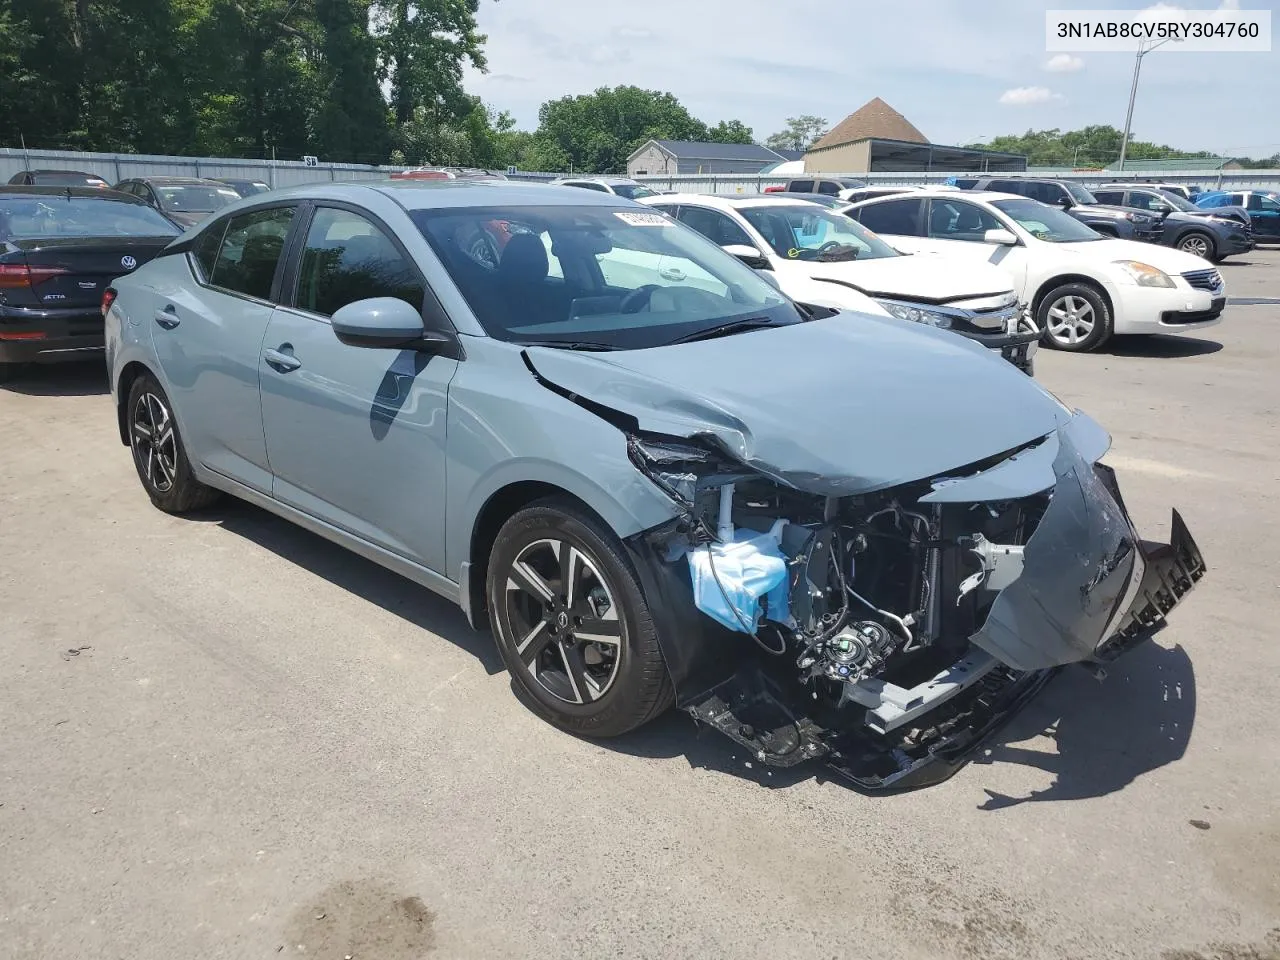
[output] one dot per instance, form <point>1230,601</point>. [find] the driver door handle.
<point>280,361</point>
<point>168,317</point>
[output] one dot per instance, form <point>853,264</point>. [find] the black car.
<point>60,248</point>
<point>185,200</point>
<point>57,178</point>
<point>1079,202</point>
<point>1212,234</point>
<point>246,188</point>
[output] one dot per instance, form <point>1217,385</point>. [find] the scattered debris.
<point>58,723</point>
<point>1199,824</point>
<point>320,915</point>
<point>74,652</point>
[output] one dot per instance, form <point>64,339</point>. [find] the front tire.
<point>572,624</point>
<point>158,453</point>
<point>1074,317</point>
<point>1199,245</point>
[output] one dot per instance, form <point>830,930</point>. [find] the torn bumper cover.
<point>1088,590</point>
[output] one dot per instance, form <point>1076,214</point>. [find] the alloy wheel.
<point>1196,246</point>
<point>154,442</point>
<point>1071,319</point>
<point>565,623</point>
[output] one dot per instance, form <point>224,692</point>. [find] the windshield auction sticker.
<point>641,219</point>
<point>1172,29</point>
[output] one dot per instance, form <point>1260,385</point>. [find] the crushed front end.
<point>890,632</point>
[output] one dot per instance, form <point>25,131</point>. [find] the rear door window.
<point>800,186</point>
<point>829,187</point>
<point>898,217</point>
<point>714,225</point>
<point>250,252</point>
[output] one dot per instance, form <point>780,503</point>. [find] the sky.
<point>961,72</point>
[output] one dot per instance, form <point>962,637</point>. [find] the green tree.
<point>597,132</point>
<point>1093,146</point>
<point>730,131</point>
<point>800,133</point>
<point>351,119</point>
<point>423,47</point>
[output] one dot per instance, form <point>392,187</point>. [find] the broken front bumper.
<point>1089,589</point>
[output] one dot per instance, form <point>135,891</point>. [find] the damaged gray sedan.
<point>658,480</point>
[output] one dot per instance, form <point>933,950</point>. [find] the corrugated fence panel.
<point>114,167</point>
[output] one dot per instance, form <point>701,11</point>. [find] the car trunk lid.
<point>58,272</point>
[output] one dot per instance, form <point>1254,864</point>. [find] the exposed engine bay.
<point>870,616</point>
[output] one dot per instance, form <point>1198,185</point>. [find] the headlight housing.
<point>916,314</point>
<point>1144,274</point>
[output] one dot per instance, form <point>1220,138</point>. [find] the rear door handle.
<point>168,317</point>
<point>281,361</point>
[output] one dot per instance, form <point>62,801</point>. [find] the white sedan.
<point>818,256</point>
<point>1082,287</point>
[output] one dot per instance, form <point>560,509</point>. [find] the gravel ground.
<point>224,737</point>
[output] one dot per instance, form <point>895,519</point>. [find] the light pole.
<point>1133,91</point>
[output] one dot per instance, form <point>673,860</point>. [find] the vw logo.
<point>128,262</point>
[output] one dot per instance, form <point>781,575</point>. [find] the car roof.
<point>986,196</point>
<point>445,194</point>
<point>17,189</point>
<point>176,181</point>
<point>594,180</point>
<point>78,173</point>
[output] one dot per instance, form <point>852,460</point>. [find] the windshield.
<point>195,199</point>
<point>29,218</point>
<point>1176,201</point>
<point>808,232</point>
<point>72,179</point>
<point>633,191</point>
<point>607,278</point>
<point>1079,194</point>
<point>1045,222</point>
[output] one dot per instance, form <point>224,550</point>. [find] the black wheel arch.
<point>131,372</point>
<point>501,506</point>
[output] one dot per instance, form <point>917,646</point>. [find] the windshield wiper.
<point>724,330</point>
<point>587,345</point>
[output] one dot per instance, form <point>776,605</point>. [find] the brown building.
<point>876,138</point>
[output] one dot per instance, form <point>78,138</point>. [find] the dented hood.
<point>828,406</point>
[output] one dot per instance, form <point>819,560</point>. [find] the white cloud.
<point>1163,7</point>
<point>1025,96</point>
<point>1064,63</point>
<point>1229,5</point>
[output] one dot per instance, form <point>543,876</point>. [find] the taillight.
<point>776,189</point>
<point>14,276</point>
<point>108,298</point>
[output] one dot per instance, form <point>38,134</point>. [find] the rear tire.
<point>572,624</point>
<point>1199,245</point>
<point>158,453</point>
<point>1074,317</point>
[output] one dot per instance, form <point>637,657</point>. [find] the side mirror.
<point>1002,237</point>
<point>771,280</point>
<point>752,257</point>
<point>388,322</point>
<point>1066,203</point>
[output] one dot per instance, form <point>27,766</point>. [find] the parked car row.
<point>656,478</point>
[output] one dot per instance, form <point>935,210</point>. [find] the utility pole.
<point>1133,92</point>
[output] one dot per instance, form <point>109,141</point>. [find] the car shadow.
<point>87,379</point>
<point>1160,345</point>
<point>353,573</point>
<point>1108,733</point>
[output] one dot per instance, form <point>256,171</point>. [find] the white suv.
<point>1082,287</point>
<point>822,257</point>
<point>620,186</point>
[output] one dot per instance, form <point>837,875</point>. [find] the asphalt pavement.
<point>225,737</point>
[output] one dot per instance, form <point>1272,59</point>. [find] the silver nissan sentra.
<point>656,479</point>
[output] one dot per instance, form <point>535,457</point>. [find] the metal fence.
<point>114,167</point>
<point>739,184</point>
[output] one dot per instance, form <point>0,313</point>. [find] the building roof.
<point>701,150</point>
<point>1204,163</point>
<point>875,119</point>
